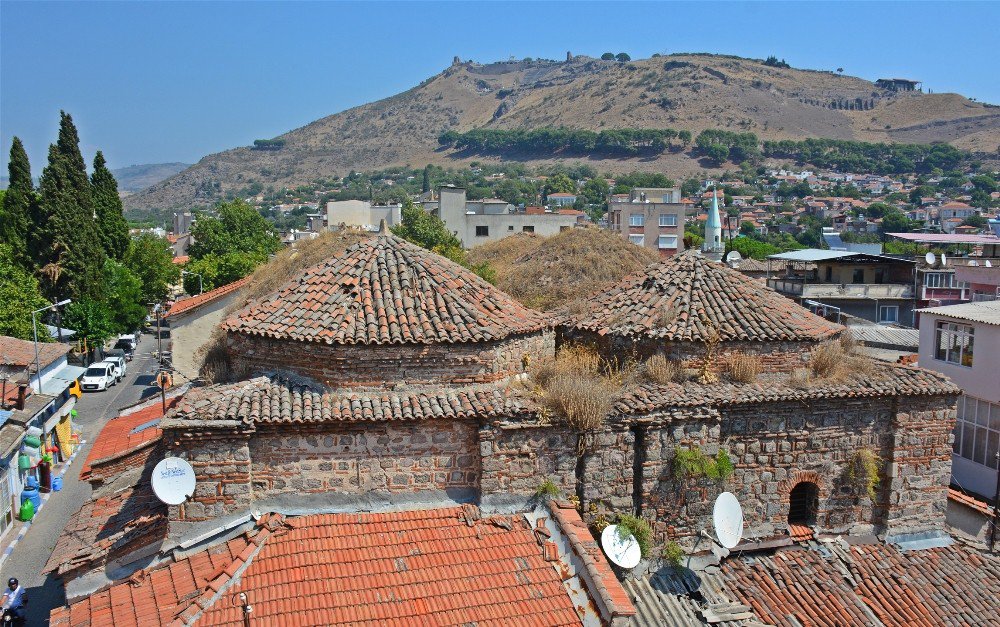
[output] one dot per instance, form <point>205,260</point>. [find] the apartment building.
<point>650,217</point>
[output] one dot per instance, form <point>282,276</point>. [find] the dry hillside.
<point>547,273</point>
<point>691,92</point>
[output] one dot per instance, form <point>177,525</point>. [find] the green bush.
<point>637,527</point>
<point>673,554</point>
<point>693,463</point>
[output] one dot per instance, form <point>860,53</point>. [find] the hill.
<point>685,92</point>
<point>136,177</point>
<point>546,273</point>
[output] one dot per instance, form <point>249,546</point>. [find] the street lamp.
<point>34,330</point>
<point>200,290</point>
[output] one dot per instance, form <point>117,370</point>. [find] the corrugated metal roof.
<point>987,312</point>
<point>812,254</point>
<point>946,238</point>
<point>683,597</point>
<point>881,336</point>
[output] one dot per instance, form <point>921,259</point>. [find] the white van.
<point>119,363</point>
<point>98,377</point>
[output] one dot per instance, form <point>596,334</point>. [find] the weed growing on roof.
<point>691,463</point>
<point>659,369</point>
<point>712,339</point>
<point>637,527</point>
<point>673,554</point>
<point>863,471</point>
<point>834,362</point>
<point>547,490</point>
<point>743,368</point>
<point>579,386</point>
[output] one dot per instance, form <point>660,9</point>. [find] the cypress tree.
<point>427,179</point>
<point>111,221</point>
<point>18,205</point>
<point>70,255</point>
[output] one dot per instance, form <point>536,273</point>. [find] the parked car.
<point>75,389</point>
<point>98,377</point>
<point>130,339</point>
<point>126,346</point>
<point>119,363</point>
<point>117,352</point>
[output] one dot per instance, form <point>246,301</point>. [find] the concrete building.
<point>193,320</point>
<point>360,214</point>
<point>658,226</point>
<point>874,287</point>
<point>476,222</point>
<point>963,342</point>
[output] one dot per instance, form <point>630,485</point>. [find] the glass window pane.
<point>968,436</point>
<point>995,416</point>
<point>960,407</point>
<point>992,445</point>
<point>979,453</point>
<point>956,448</point>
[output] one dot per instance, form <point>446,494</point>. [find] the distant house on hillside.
<point>561,199</point>
<point>897,84</point>
<point>476,222</point>
<point>657,225</point>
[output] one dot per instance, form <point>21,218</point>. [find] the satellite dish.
<point>988,264</point>
<point>930,259</point>
<point>733,258</point>
<point>173,480</point>
<point>973,262</point>
<point>944,260</point>
<point>728,519</point>
<point>622,552</point>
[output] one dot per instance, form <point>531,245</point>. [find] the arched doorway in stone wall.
<point>803,502</point>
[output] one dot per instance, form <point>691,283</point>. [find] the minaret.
<point>713,246</point>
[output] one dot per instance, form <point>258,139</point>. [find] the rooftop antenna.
<point>944,260</point>
<point>728,519</point>
<point>173,480</point>
<point>622,551</point>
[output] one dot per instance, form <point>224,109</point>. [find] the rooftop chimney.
<point>22,394</point>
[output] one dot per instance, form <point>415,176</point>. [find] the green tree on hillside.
<point>150,258</point>
<point>429,231</point>
<point>19,295</point>
<point>111,223</point>
<point>239,227</point>
<point>608,56</point>
<point>623,57</point>
<point>124,297</point>
<point>426,186</point>
<point>895,222</point>
<point>560,184</point>
<point>65,236</point>
<point>18,205</point>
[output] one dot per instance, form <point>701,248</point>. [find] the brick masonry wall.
<point>920,470</point>
<point>147,455</point>
<point>222,471</point>
<point>517,459</point>
<point>772,356</point>
<point>356,365</point>
<point>355,459</point>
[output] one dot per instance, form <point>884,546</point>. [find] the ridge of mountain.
<point>681,91</point>
<point>137,177</point>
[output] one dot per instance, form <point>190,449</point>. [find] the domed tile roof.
<point>689,298</point>
<point>385,290</point>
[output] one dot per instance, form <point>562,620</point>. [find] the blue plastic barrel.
<point>56,484</point>
<point>31,482</point>
<point>31,494</point>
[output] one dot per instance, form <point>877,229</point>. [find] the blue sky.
<point>173,81</point>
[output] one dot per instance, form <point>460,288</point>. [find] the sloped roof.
<point>985,312</point>
<point>686,297</point>
<point>21,353</point>
<point>126,434</point>
<point>189,304</point>
<point>385,290</point>
<point>443,566</point>
<point>285,399</point>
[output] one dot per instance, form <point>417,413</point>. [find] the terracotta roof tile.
<point>127,433</point>
<point>279,398</point>
<point>432,567</point>
<point>21,353</point>
<point>682,298</point>
<point>187,304</point>
<point>385,290</point>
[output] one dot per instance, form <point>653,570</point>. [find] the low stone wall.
<point>221,465</point>
<point>360,458</point>
<point>517,459</point>
<point>339,365</point>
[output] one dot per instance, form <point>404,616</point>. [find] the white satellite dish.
<point>728,519</point>
<point>173,480</point>
<point>733,258</point>
<point>624,552</point>
<point>944,260</point>
<point>930,259</point>
<point>974,263</point>
<point>988,264</point>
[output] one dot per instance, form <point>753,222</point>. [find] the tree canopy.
<point>111,223</point>
<point>19,295</point>
<point>18,204</point>
<point>149,257</point>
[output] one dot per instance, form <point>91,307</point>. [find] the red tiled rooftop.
<point>187,304</point>
<point>385,290</point>
<point>430,567</point>
<point>181,260</point>
<point>21,353</point>
<point>125,434</point>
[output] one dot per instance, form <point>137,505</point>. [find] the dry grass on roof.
<point>549,272</point>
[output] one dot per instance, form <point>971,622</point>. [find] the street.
<point>93,411</point>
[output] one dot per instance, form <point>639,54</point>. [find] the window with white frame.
<point>888,313</point>
<point>636,219</point>
<point>667,241</point>
<point>638,240</point>
<point>977,431</point>
<point>668,219</point>
<point>939,279</point>
<point>954,343</point>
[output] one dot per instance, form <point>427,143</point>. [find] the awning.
<point>54,332</point>
<point>61,379</point>
<point>58,415</point>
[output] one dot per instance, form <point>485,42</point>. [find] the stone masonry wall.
<point>362,365</point>
<point>518,459</point>
<point>360,458</point>
<point>222,472</point>
<point>772,356</point>
<point>920,464</point>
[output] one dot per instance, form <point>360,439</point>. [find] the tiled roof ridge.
<point>18,352</point>
<point>194,302</point>
<point>689,298</point>
<point>384,290</point>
